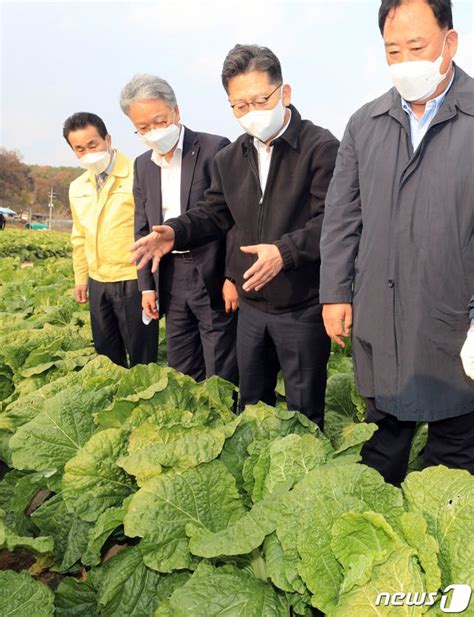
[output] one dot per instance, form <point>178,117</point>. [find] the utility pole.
<point>50,205</point>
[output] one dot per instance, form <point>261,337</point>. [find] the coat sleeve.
<point>146,281</point>
<point>230,238</point>
<point>342,226</point>
<point>230,248</point>
<point>78,241</point>
<point>209,220</point>
<point>302,246</point>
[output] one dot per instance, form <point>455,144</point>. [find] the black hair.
<point>245,58</point>
<point>80,120</point>
<point>442,10</point>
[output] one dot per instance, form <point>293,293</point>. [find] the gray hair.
<point>145,87</point>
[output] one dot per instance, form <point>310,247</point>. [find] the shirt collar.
<point>119,167</point>
<point>262,146</point>
<point>159,159</point>
<point>460,95</point>
<point>106,171</point>
<point>432,104</point>
<point>290,136</point>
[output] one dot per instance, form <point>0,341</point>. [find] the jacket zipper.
<point>263,194</point>
<point>253,159</point>
<point>254,168</point>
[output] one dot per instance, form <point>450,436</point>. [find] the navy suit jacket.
<point>199,150</point>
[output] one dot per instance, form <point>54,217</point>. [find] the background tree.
<point>14,184</point>
<point>28,186</point>
<point>44,177</point>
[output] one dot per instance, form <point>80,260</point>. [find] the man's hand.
<point>467,353</point>
<point>231,297</point>
<point>338,321</point>
<point>153,247</point>
<point>149,304</point>
<point>267,266</point>
<point>80,293</point>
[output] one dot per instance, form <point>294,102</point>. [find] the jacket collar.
<point>460,95</point>
<point>190,139</point>
<point>290,136</point>
<point>188,165</point>
<point>121,167</point>
<point>464,92</point>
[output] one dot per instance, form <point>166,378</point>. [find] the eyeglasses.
<point>259,102</point>
<point>156,124</point>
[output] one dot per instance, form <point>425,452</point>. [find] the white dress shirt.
<point>171,179</point>
<point>170,183</point>
<point>264,153</point>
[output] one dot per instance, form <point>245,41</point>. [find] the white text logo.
<point>455,602</point>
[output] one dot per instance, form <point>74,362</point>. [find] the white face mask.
<point>263,123</point>
<point>95,162</point>
<point>162,140</point>
<point>417,80</point>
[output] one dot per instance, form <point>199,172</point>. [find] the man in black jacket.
<point>271,183</point>
<point>170,179</point>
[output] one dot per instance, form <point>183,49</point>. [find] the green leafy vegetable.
<point>22,596</point>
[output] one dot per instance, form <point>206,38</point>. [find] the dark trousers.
<point>200,338</point>
<point>117,327</point>
<point>295,341</point>
<point>450,443</point>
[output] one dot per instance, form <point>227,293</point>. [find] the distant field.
<point>30,245</point>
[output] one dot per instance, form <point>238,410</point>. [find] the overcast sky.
<point>61,57</point>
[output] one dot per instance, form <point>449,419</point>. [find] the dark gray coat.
<point>398,242</point>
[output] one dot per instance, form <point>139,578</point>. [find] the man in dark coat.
<point>190,288</point>
<point>397,245</point>
<point>271,183</point>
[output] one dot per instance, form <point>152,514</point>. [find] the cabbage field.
<point>139,493</point>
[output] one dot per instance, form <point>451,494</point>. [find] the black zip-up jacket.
<point>288,214</point>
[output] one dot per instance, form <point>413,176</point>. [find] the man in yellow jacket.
<point>102,209</point>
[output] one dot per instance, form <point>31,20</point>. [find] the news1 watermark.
<point>454,598</point>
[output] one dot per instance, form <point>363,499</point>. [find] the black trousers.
<point>295,341</point>
<point>117,327</point>
<point>200,339</point>
<point>450,443</point>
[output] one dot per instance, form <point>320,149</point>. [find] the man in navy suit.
<point>190,286</point>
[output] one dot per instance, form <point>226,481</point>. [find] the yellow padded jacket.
<point>102,230</point>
